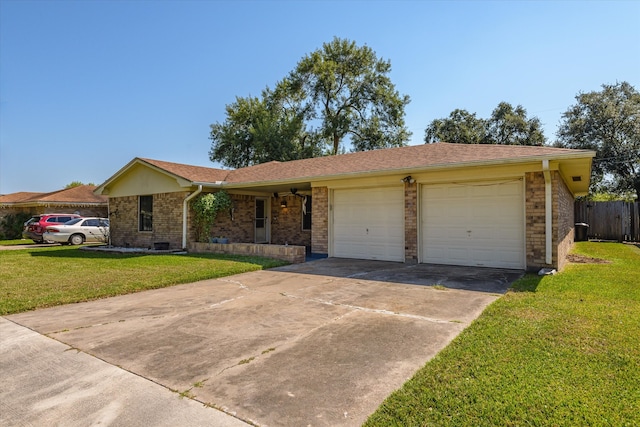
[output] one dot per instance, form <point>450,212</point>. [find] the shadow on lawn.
<point>77,252</point>
<point>527,283</point>
<point>68,252</point>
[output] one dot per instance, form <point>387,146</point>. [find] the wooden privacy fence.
<point>610,220</point>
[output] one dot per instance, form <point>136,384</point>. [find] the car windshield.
<point>73,221</point>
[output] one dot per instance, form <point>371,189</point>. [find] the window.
<point>145,211</point>
<point>306,213</point>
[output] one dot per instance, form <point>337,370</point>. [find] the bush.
<point>11,225</point>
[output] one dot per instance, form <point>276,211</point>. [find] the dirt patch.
<point>581,259</point>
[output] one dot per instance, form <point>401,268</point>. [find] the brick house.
<point>477,205</point>
<point>80,199</point>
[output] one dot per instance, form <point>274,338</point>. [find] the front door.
<point>261,229</point>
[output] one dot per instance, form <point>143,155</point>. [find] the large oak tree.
<point>607,121</point>
<point>507,126</point>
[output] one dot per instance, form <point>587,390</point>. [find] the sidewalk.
<point>46,382</point>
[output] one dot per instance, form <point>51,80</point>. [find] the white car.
<point>79,231</point>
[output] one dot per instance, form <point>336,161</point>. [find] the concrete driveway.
<point>315,344</point>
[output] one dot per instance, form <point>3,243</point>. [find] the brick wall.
<point>563,220</point>
<point>286,223</point>
<point>411,223</point>
<point>238,225</point>
<point>320,220</point>
<point>535,221</point>
<point>167,221</point>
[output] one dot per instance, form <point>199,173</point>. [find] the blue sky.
<point>86,86</point>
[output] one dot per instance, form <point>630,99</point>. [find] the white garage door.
<point>369,223</point>
<point>476,224</point>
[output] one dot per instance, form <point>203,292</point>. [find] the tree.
<point>460,127</point>
<point>506,126</point>
<point>73,184</point>
<point>510,126</point>
<point>608,122</point>
<point>339,93</point>
<point>346,89</point>
<point>259,130</point>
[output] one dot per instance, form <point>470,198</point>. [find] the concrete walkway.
<point>47,383</point>
<point>315,344</point>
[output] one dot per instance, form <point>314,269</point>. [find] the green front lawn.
<point>559,350</point>
<point>16,242</point>
<point>43,277</point>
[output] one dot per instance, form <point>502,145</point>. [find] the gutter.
<point>185,211</point>
<point>548,218</point>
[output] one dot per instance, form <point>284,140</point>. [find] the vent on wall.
<point>576,178</point>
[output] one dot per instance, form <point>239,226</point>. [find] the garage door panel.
<point>369,223</point>
<point>473,224</point>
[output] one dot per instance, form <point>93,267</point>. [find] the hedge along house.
<point>474,205</point>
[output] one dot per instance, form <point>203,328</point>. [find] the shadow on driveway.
<point>480,279</point>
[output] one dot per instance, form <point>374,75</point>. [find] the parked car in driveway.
<point>36,226</point>
<point>79,231</point>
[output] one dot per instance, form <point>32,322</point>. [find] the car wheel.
<point>76,239</point>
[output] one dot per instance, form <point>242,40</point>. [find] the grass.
<point>555,350</point>
<point>16,242</point>
<point>44,277</point>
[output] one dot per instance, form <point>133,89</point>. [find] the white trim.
<point>185,212</point>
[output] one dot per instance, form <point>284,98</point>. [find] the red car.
<point>37,225</point>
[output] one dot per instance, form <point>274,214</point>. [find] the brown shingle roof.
<point>190,173</point>
<point>401,158</point>
<point>21,196</point>
<point>82,194</point>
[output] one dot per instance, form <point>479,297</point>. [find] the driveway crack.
<point>367,309</point>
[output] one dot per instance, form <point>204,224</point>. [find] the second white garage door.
<point>369,223</point>
<point>476,224</point>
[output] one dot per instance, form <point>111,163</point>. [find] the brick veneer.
<point>562,221</point>
<point>411,223</point>
<point>535,220</point>
<point>167,221</point>
<point>286,223</point>
<point>320,220</point>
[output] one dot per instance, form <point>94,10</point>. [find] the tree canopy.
<point>460,127</point>
<point>339,94</point>
<point>507,126</point>
<point>607,121</point>
<point>73,184</point>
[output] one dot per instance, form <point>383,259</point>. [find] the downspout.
<point>185,211</point>
<point>548,218</point>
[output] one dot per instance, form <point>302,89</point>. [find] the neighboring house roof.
<point>19,197</point>
<point>409,159</point>
<point>82,195</point>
